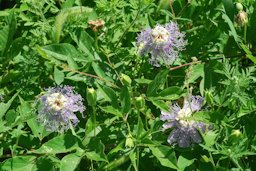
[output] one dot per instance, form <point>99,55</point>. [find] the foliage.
<point>48,43</point>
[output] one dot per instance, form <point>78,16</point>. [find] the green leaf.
<point>58,76</point>
<point>210,138</point>
<point>143,81</point>
<point>197,71</point>
<point>159,103</point>
<point>116,163</point>
<point>44,163</point>
<point>95,150</point>
<point>111,110</point>
<point>70,162</point>
<point>60,144</point>
<point>5,106</point>
<point>165,156</point>
<point>3,126</point>
<point>100,72</point>
<point>229,8</point>
<point>109,95</point>
<point>171,93</point>
<point>28,115</point>
<point>232,28</point>
<point>85,43</point>
<point>18,163</point>
<point>62,52</point>
<point>157,82</point>
<point>183,162</point>
<point>133,158</point>
<point>125,98</point>
<point>248,53</point>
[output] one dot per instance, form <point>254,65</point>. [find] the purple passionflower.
<point>163,43</point>
<point>185,130</point>
<point>57,107</point>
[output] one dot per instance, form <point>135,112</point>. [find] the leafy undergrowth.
<point>127,85</point>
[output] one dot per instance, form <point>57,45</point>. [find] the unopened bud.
<point>139,102</point>
<point>126,79</point>
<point>194,59</point>
<point>242,18</point>
<point>91,96</point>
<point>235,136</point>
<point>129,141</point>
<point>239,6</point>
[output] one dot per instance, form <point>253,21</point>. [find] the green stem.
<point>138,157</point>
<point>245,33</point>
<point>94,120</point>
<point>96,41</point>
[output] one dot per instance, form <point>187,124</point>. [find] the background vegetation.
<point>45,43</point>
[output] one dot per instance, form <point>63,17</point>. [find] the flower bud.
<point>235,136</point>
<point>91,96</point>
<point>242,18</point>
<point>239,6</point>
<point>126,79</point>
<point>139,102</point>
<point>129,141</point>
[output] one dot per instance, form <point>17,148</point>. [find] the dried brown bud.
<point>96,24</point>
<point>242,18</point>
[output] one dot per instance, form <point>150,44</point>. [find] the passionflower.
<point>57,107</point>
<point>185,130</point>
<point>163,42</point>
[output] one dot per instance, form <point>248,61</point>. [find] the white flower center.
<point>57,101</point>
<point>160,35</point>
<point>183,115</point>
<point>141,46</point>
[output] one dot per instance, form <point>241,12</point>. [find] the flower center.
<point>160,35</point>
<point>183,119</point>
<point>57,101</point>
